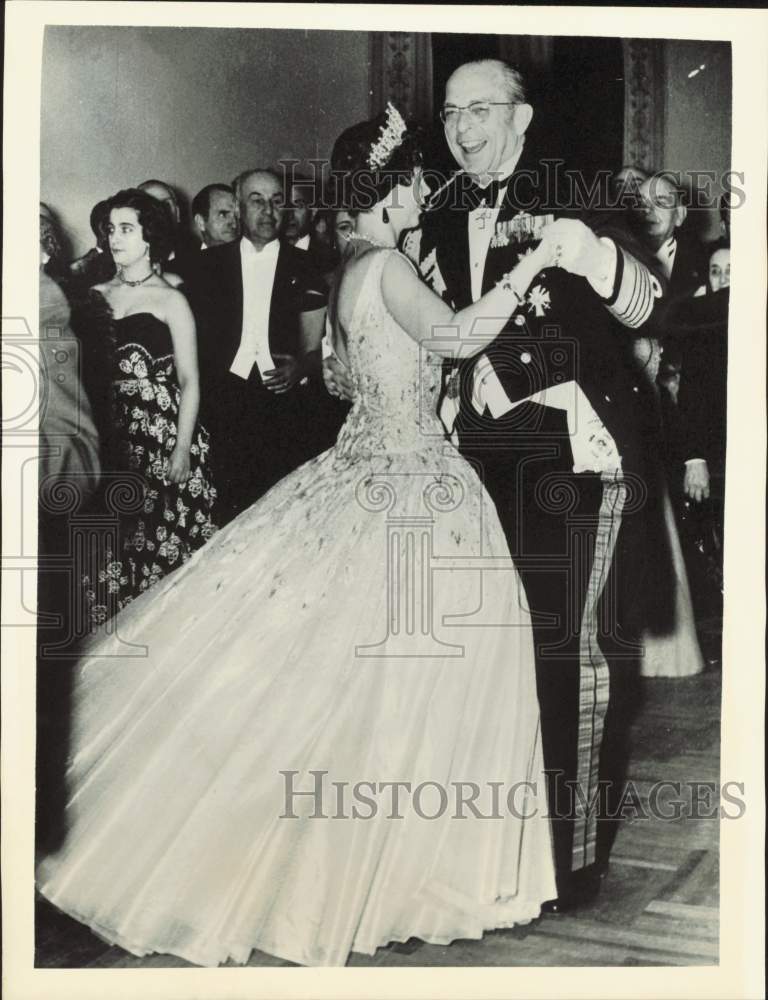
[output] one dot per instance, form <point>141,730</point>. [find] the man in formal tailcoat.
<point>659,221</point>
<point>697,440</point>
<point>297,226</point>
<point>214,215</point>
<point>548,415</point>
<point>297,229</point>
<point>260,309</point>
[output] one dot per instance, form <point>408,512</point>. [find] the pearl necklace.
<point>134,284</point>
<point>373,242</point>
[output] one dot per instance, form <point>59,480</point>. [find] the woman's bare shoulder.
<point>172,279</point>
<point>171,302</point>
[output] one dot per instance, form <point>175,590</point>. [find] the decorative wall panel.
<point>401,72</point>
<point>644,103</point>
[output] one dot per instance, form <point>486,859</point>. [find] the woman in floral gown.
<point>157,452</point>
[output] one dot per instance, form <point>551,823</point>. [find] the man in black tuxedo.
<point>693,383</point>
<point>297,226</point>
<point>701,335</point>
<point>548,416</point>
<point>697,433</point>
<point>260,309</point>
<point>214,215</point>
<point>659,222</point>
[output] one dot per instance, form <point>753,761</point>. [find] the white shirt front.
<point>303,243</point>
<point>482,225</point>
<point>258,272</point>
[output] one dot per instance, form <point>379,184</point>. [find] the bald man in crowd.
<point>260,309</point>
<point>659,220</point>
<point>548,416</point>
<point>183,255</point>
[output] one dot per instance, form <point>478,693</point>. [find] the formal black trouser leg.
<point>559,551</point>
<point>625,702</point>
<point>258,438</point>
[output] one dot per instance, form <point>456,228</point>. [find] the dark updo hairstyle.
<point>720,244</point>
<point>152,215</point>
<point>359,185</point>
<point>99,221</point>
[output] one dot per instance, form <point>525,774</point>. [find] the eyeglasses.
<point>667,201</point>
<point>478,111</point>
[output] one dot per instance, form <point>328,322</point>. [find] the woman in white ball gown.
<point>339,637</point>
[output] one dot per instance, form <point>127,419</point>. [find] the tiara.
<point>391,136</point>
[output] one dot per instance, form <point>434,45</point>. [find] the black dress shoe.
<point>576,890</point>
<point>556,907</point>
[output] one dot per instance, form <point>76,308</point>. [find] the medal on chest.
<point>521,229</point>
<point>482,215</point>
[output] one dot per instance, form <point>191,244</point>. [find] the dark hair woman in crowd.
<point>719,268</point>
<point>155,395</point>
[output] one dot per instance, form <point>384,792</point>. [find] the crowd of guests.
<point>198,369</point>
<point>686,366</point>
<point>199,353</point>
<point>182,379</point>
<point>202,361</point>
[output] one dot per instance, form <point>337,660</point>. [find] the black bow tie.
<point>473,196</point>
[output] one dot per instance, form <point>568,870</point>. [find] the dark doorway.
<point>584,104</point>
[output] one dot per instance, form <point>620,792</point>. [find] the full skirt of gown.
<point>359,626</point>
<point>670,641</point>
<point>673,651</point>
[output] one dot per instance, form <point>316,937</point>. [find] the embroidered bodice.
<point>396,380</point>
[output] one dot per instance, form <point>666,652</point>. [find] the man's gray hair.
<point>237,183</point>
<point>510,79</point>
